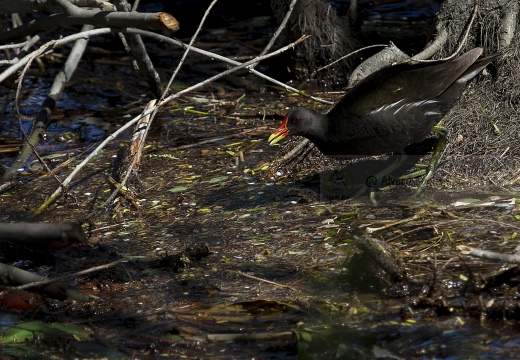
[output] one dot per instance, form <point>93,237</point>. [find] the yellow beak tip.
<point>274,138</point>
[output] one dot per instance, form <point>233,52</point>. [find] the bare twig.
<point>139,135</point>
<point>350,54</point>
<point>279,30</point>
<point>462,41</point>
<point>65,277</point>
<point>43,118</point>
<point>489,255</point>
<point>245,132</point>
<point>141,60</point>
<point>49,46</point>
<point>160,104</point>
<point>168,40</point>
<point>154,111</point>
<point>29,6</point>
<point>79,16</point>
<point>403,221</point>
<point>267,281</point>
<point>243,336</point>
<point>232,70</point>
<point>508,24</point>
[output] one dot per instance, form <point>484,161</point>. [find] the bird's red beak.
<point>279,133</point>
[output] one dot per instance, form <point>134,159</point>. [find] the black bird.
<point>389,109</point>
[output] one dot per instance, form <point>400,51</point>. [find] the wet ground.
<point>229,258</point>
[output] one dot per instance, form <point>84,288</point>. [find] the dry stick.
<point>161,103</point>
<point>43,118</point>
<point>242,336</point>
<point>350,54</point>
<point>141,60</point>
<point>412,218</point>
<point>58,85</point>
<point>489,255</point>
<point>49,46</point>
<point>12,46</point>
<point>152,115</point>
<point>266,281</point>
<point>303,143</point>
<point>219,138</point>
<point>65,277</point>
<point>280,28</point>
<point>135,5</point>
<point>232,70</point>
<point>461,42</point>
<point>188,47</point>
<point>115,19</point>
<point>508,24</point>
<point>441,223</point>
<point>166,39</point>
<point>161,38</point>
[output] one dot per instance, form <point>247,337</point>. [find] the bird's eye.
<point>296,120</point>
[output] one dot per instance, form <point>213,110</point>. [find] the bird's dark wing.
<point>406,82</point>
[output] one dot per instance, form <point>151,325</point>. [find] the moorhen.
<point>389,109</point>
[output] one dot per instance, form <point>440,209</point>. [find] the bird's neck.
<point>320,133</point>
<point>320,129</point>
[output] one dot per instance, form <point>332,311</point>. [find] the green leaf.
<point>305,336</point>
<point>37,330</point>
<point>178,189</point>
<point>217,179</point>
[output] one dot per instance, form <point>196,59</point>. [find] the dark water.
<point>90,115</point>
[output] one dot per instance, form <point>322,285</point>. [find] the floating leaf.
<point>178,189</point>
<point>305,336</point>
<point>496,129</point>
<point>217,179</point>
<point>37,330</point>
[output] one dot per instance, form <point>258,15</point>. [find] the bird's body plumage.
<point>389,109</point>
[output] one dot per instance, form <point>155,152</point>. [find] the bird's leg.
<point>437,152</point>
<point>379,176</point>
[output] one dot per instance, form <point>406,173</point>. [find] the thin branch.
<point>462,41</point>
<point>65,277</point>
<point>141,60</point>
<point>160,104</point>
<point>267,281</point>
<point>79,16</point>
<point>43,118</point>
<point>350,54</point>
<point>280,28</point>
<point>489,255</point>
<point>232,70</point>
<point>188,47</point>
<point>31,6</point>
<point>168,40</point>
<point>152,115</point>
<point>49,46</point>
<point>98,32</point>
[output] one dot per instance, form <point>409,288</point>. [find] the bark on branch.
<point>30,6</point>
<point>98,18</point>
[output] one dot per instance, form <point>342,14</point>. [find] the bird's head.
<point>298,121</point>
